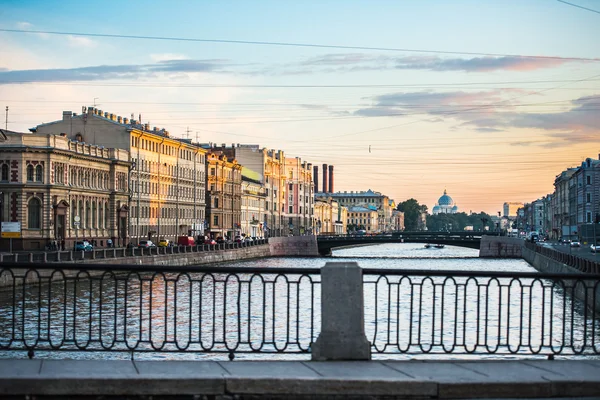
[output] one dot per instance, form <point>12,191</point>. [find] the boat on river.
<point>439,246</point>
<point>427,246</point>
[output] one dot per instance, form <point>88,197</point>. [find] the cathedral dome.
<point>445,200</point>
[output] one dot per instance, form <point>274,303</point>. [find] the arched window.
<point>4,172</point>
<point>106,218</point>
<point>94,215</point>
<point>81,221</point>
<point>34,214</point>
<point>30,173</point>
<point>101,216</point>
<point>73,213</point>
<point>39,172</point>
<point>88,219</point>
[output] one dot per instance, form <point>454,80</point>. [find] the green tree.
<point>412,211</point>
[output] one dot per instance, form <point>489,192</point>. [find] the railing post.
<point>342,334</point>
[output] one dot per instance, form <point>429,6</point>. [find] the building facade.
<point>510,209</point>
<point>253,203</point>
<point>331,218</point>
<point>62,190</point>
<point>367,199</point>
<point>224,194</point>
<point>167,176</point>
<point>363,218</point>
<point>299,199</point>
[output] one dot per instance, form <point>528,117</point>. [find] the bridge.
<point>471,240</point>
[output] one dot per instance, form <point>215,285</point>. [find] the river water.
<point>192,316</point>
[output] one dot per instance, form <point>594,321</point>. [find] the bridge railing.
<point>276,310</point>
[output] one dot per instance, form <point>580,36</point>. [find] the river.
<point>183,316</point>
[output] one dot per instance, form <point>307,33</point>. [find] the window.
<point>73,213</point>
<point>588,180</point>
<point>34,214</point>
<point>291,209</point>
<point>30,173</point>
<point>216,220</point>
<point>588,197</point>
<point>100,216</point>
<point>588,217</point>
<point>94,214</point>
<point>39,172</point>
<point>5,172</point>
<point>88,219</point>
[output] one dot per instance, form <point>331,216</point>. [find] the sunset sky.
<point>403,97</point>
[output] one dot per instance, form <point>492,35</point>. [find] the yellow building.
<point>167,175</point>
<point>330,217</point>
<point>363,219</point>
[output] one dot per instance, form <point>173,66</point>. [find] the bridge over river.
<point>471,240</point>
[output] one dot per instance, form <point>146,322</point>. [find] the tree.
<point>412,212</point>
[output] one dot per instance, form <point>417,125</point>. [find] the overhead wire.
<point>292,44</point>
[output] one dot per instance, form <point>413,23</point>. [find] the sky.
<point>489,100</point>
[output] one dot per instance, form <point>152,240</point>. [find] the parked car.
<point>239,239</point>
<point>83,246</point>
<point>575,243</point>
<point>210,241</point>
<point>146,244</point>
<point>248,239</point>
<point>164,243</point>
<point>186,241</point>
<point>594,248</point>
<point>221,239</point>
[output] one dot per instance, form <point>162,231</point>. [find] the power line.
<point>216,85</point>
<point>291,44</point>
<point>578,6</point>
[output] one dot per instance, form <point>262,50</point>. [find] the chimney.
<point>316,177</point>
<point>325,178</point>
<point>331,179</point>
<point>125,121</point>
<point>67,115</point>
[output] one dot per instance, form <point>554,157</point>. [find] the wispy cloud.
<point>108,72</point>
<point>358,61</point>
<point>80,41</point>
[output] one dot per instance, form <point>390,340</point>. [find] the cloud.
<point>107,72</point>
<point>488,130</point>
<point>348,62</point>
<point>167,57</point>
<point>24,25</point>
<point>80,41</point>
<point>434,103</point>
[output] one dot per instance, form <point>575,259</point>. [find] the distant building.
<point>253,203</point>
<point>379,202</point>
<point>510,209</point>
<point>363,218</point>
<point>445,205</point>
<point>330,217</point>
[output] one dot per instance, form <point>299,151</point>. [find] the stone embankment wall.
<point>590,296</point>
<point>300,246</point>
<point>501,247</point>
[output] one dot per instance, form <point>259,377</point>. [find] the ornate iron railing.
<point>218,310</point>
<point>458,312</point>
<point>274,310</point>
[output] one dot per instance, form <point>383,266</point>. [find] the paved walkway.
<point>303,380</point>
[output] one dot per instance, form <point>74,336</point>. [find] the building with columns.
<point>224,195</point>
<point>62,190</point>
<point>167,175</point>
<point>330,217</point>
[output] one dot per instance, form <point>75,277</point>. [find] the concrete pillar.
<point>342,334</point>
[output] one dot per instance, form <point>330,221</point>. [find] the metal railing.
<point>104,253</point>
<point>277,310</point>
<point>503,313</point>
